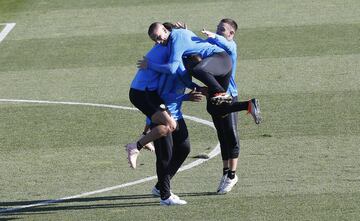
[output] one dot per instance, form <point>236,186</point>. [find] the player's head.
<point>158,33</point>
<point>227,28</point>
<point>169,26</point>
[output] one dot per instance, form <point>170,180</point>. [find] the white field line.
<point>6,30</point>
<point>212,154</point>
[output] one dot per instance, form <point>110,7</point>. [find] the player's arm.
<point>220,41</point>
<point>175,60</point>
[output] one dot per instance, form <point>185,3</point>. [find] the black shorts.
<point>147,102</point>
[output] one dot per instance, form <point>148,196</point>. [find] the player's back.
<point>147,78</point>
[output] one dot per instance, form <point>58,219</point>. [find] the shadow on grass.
<point>88,204</point>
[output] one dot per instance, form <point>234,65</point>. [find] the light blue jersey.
<point>184,42</point>
<point>147,78</point>
<point>230,48</point>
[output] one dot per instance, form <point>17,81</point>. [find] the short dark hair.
<point>231,22</point>
<point>169,26</point>
<point>152,27</point>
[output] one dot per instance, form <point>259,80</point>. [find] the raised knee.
<point>169,129</point>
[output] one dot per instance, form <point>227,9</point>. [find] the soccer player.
<point>214,70</point>
<point>143,95</point>
<point>226,126</point>
<point>172,150</point>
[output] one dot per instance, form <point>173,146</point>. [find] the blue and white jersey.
<point>147,78</point>
<point>184,42</point>
<point>230,48</point>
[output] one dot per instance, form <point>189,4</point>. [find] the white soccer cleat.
<point>222,180</point>
<point>132,153</point>
<point>173,200</point>
<point>228,185</point>
<point>254,110</point>
<point>148,146</point>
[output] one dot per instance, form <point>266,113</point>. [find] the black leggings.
<point>171,151</point>
<point>226,128</point>
<point>224,108</point>
<point>214,72</point>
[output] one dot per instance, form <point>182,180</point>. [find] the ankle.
<point>231,174</point>
<point>139,146</point>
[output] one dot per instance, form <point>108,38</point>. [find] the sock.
<point>241,105</point>
<point>225,170</point>
<point>139,146</point>
<point>231,174</point>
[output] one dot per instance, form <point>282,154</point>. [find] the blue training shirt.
<point>172,91</point>
<point>183,42</point>
<point>230,48</point>
<point>147,78</point>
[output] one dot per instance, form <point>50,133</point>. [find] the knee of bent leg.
<point>171,125</point>
<point>168,130</point>
<point>163,130</point>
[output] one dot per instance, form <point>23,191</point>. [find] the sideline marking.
<point>212,154</point>
<point>6,30</point>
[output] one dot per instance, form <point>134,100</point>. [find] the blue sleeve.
<point>223,43</point>
<point>169,68</point>
<point>177,43</point>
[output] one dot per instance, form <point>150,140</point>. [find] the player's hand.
<point>142,64</point>
<point>195,96</point>
<point>209,34</point>
<point>203,90</point>
<point>179,24</point>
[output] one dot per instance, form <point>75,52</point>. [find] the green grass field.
<point>300,58</point>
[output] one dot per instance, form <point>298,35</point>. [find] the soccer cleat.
<point>254,110</point>
<point>132,153</point>
<point>220,98</point>
<point>228,185</point>
<point>148,146</point>
<point>173,200</point>
<point>222,180</point>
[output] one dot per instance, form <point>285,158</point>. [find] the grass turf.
<point>300,59</point>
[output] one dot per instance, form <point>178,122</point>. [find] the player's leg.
<point>150,145</point>
<point>164,152</point>
<point>163,124</point>
<point>219,126</point>
<point>181,150</point>
<point>181,147</point>
<point>210,70</point>
<point>233,142</point>
<point>252,106</point>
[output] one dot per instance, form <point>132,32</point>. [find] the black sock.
<point>139,146</point>
<point>225,170</point>
<point>241,105</point>
<point>231,174</point>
